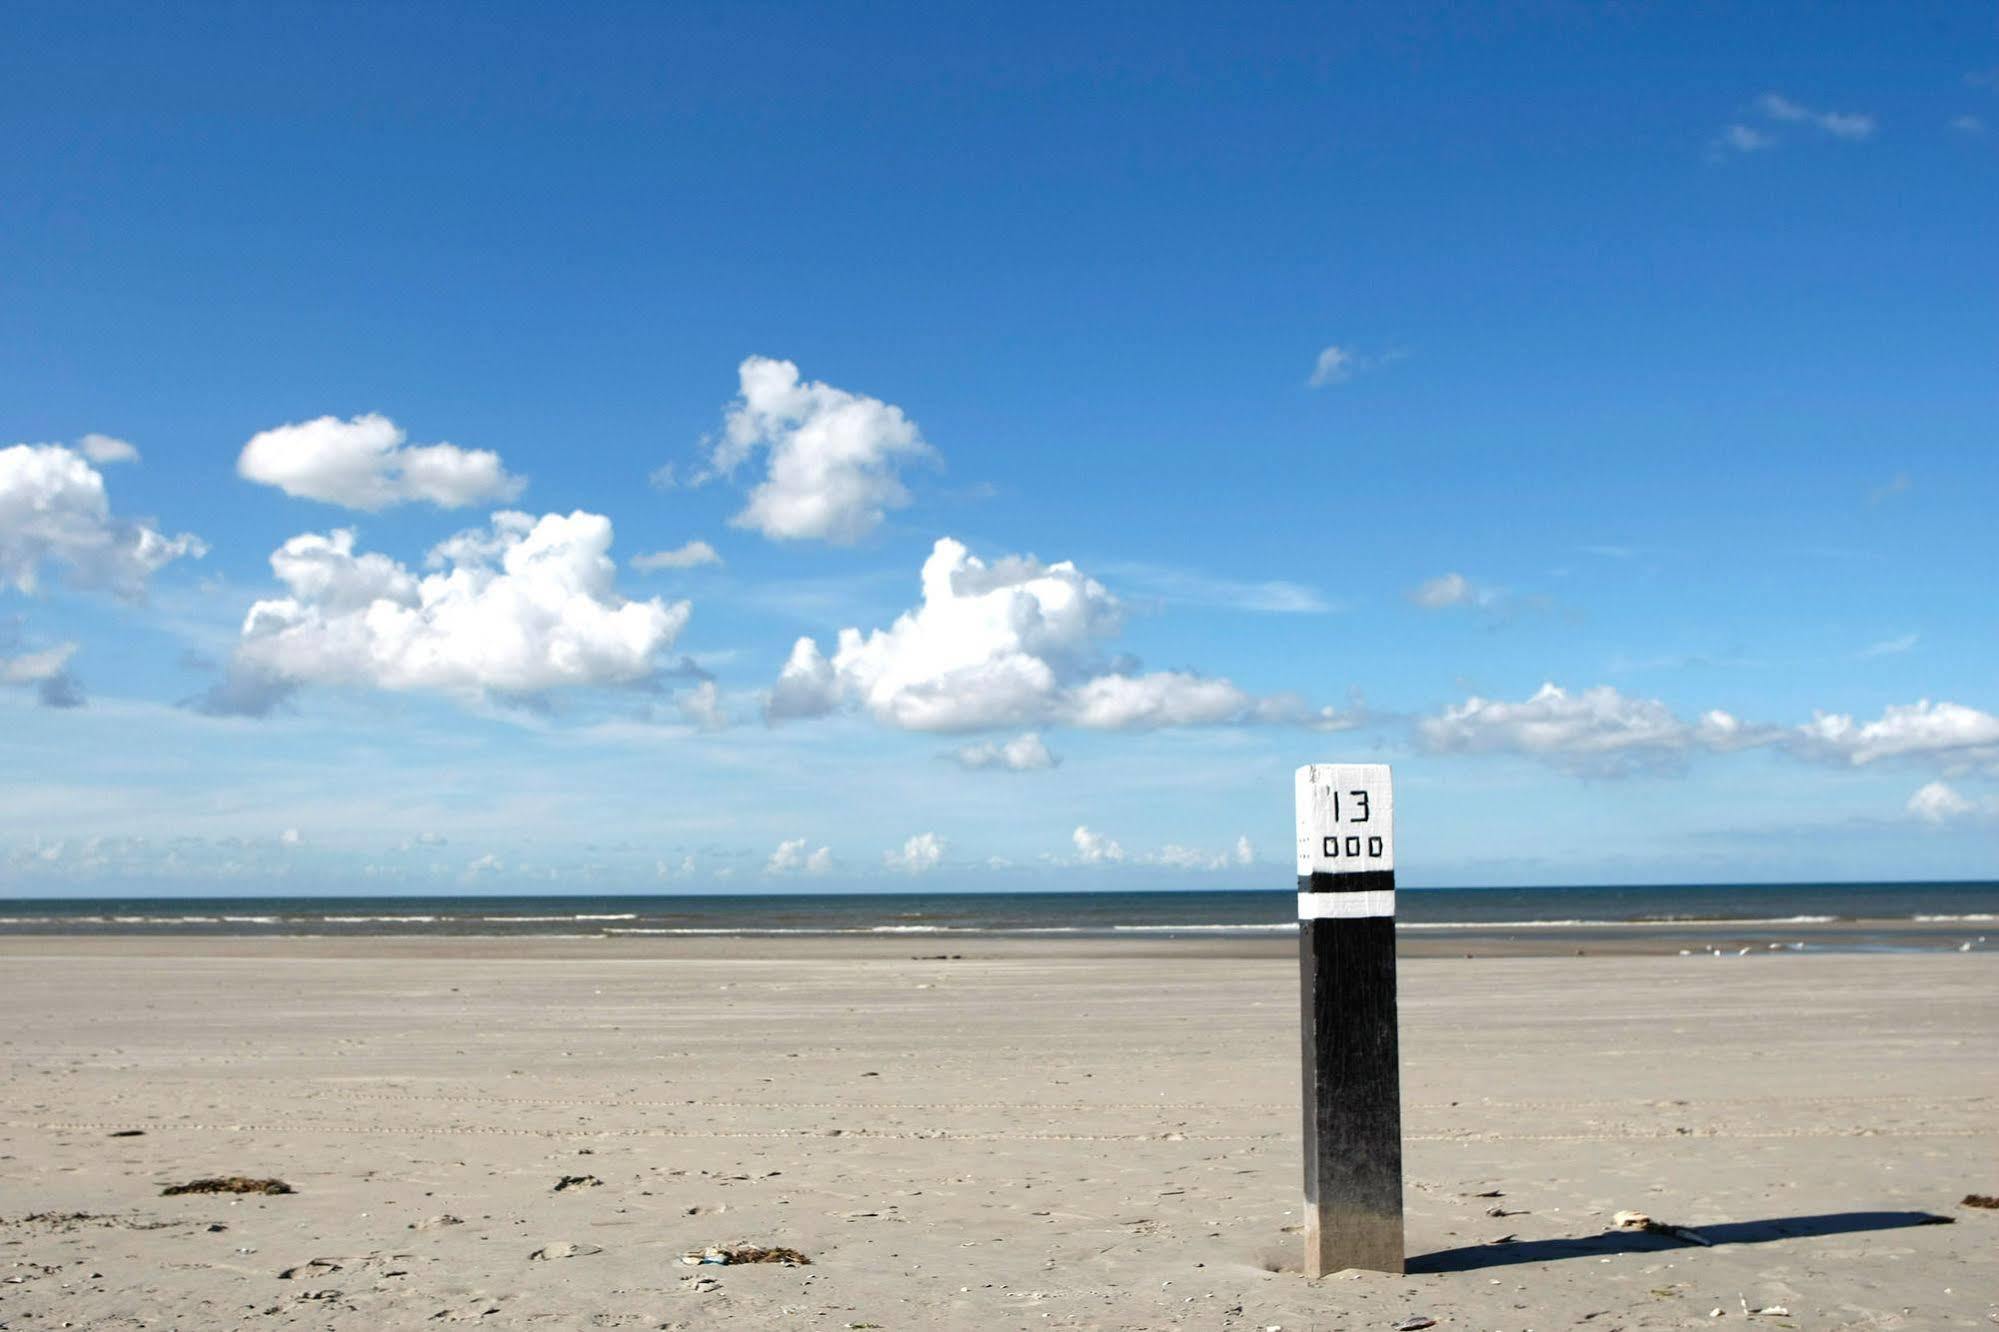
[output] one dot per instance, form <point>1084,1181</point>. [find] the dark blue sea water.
<point>1626,909</point>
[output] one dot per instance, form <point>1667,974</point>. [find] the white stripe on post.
<point>1346,906</point>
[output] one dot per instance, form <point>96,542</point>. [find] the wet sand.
<point>1089,1135</point>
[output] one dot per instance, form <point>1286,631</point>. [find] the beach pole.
<point>1346,964</point>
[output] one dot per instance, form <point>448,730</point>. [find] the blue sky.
<point>1305,384</point>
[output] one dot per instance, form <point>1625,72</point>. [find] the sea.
<point>1886,915</point>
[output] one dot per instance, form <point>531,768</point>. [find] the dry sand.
<point>1023,1137</point>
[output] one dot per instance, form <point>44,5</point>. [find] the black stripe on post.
<point>1366,881</point>
<point>1351,1063</point>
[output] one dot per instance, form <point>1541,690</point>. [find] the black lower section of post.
<point>1353,1101</point>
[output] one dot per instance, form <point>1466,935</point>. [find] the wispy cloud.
<point>1890,647</point>
<point>1895,485</point>
<point>1739,138</point>
<point>1454,591</point>
<point>46,671</point>
<point>1336,364</point>
<point>1449,590</point>
<point>1190,588</point>
<point>1023,753</point>
<point>1839,124</point>
<point>1967,124</point>
<point>690,556</point>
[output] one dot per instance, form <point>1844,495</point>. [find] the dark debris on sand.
<point>228,1184</point>
<point>1980,1200</point>
<point>754,1253</point>
<point>577,1182</point>
<point>64,1222</point>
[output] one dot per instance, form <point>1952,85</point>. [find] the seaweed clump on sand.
<point>1980,1200</point>
<point>730,1255</point>
<point>228,1184</point>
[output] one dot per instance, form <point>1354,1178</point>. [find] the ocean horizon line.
<point>1109,890</point>
<point>1860,910</point>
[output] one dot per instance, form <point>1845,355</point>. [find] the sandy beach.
<point>1018,1136</point>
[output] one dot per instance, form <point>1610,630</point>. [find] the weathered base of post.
<point>1353,1103</point>
<point>1327,1252</point>
<point>1365,1242</point>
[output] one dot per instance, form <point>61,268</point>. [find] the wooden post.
<point>1346,963</point>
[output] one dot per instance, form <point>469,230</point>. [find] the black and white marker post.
<point>1346,963</point>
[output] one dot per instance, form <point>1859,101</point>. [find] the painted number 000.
<point>1352,843</point>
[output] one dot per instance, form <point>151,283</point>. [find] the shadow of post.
<point>1475,1256</point>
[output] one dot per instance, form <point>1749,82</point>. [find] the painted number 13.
<point>1360,798</point>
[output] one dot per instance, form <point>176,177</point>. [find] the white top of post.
<point>1346,818</point>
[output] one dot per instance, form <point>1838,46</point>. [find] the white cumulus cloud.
<point>525,605</point>
<point>1601,731</point>
<point>1094,848</point>
<point>367,463</point>
<point>1175,856</point>
<point>105,450</point>
<point>919,855</point>
<point>791,857</point>
<point>831,455</point>
<point>1937,803</point>
<point>1023,753</point>
<point>1015,642</point>
<point>55,513</point>
<point>1947,733</point>
<point>702,707</point>
<point>690,556</point>
<point>1596,730</point>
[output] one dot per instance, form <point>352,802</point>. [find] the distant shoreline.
<point>1726,939</point>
